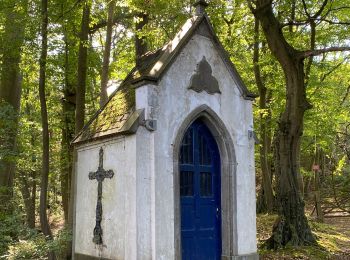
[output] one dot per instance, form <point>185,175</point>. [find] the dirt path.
<point>341,225</point>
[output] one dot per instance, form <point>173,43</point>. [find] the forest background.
<point>58,57</point>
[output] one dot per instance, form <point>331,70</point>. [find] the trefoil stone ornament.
<point>203,80</point>
<point>99,175</point>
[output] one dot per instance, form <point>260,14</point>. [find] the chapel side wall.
<point>118,199</point>
<point>245,185</point>
<point>144,192</point>
<point>169,103</point>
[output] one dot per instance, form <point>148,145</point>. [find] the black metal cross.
<point>99,175</point>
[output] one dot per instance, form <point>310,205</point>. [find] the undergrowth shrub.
<point>36,246</point>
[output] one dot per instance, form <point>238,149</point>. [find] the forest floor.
<point>333,237</point>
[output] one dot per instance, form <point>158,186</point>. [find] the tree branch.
<point>328,11</point>
<point>346,95</point>
<point>292,15</point>
<point>340,8</point>
<point>76,3</point>
<point>318,13</point>
<point>310,53</point>
<point>305,22</point>
<point>103,23</point>
<point>278,45</point>
<point>332,22</point>
<point>305,8</point>
<point>312,48</point>
<point>295,23</point>
<point>324,76</point>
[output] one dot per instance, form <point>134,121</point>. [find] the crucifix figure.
<point>99,175</point>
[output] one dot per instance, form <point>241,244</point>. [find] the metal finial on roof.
<point>200,6</point>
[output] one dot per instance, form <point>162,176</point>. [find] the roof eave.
<point>130,127</point>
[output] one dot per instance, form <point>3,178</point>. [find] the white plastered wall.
<point>169,103</point>
<point>118,199</point>
<point>138,202</point>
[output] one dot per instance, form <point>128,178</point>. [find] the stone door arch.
<point>228,179</point>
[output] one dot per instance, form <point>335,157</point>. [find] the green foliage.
<point>8,128</point>
<point>306,173</point>
<point>36,246</point>
<point>10,229</point>
<point>340,166</point>
<point>20,242</point>
<point>33,248</point>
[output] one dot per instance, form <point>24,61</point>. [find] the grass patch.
<point>330,240</point>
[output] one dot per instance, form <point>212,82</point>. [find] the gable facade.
<point>141,203</point>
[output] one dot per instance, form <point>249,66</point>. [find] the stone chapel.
<point>165,170</point>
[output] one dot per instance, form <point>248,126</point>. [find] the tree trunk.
<point>10,94</point>
<point>80,108</point>
<point>82,69</point>
<point>28,182</point>
<point>106,54</point>
<point>68,123</point>
<point>45,227</point>
<point>320,216</point>
<point>292,226</point>
<point>307,184</point>
<point>317,184</point>
<point>140,41</point>
<point>31,218</point>
<point>266,191</point>
<point>28,190</point>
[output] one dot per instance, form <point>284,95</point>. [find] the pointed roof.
<point>200,6</point>
<point>154,64</point>
<point>118,116</point>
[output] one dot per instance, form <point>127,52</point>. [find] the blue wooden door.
<point>200,195</point>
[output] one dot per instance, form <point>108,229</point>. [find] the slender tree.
<point>45,126</point>
<point>68,120</point>
<point>107,53</point>
<point>28,190</point>
<point>265,146</point>
<point>10,93</point>
<point>27,177</point>
<point>80,104</point>
<point>82,68</point>
<point>140,40</point>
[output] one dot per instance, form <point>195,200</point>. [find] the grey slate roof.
<point>118,116</point>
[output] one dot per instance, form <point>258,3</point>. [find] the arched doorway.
<point>200,194</point>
